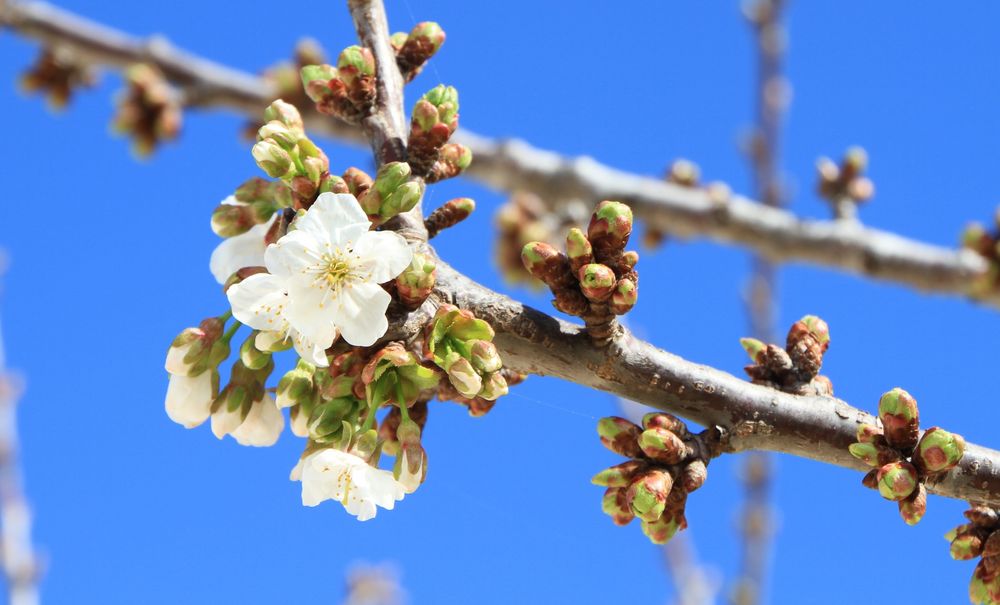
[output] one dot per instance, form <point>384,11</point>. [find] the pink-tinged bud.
<point>271,158</point>
<point>463,376</point>
<point>620,475</point>
<point>912,508</point>
<point>967,545</point>
<point>620,436</point>
<point>869,433</point>
<point>693,475</point>
<point>615,505</point>
<point>429,33</point>
<point>286,113</point>
<point>897,480</point>
<point>938,450</point>
<point>661,530</point>
<point>354,62</point>
<point>190,352</point>
<point>578,249</point>
<point>416,282</point>
<point>900,418</point>
<point>873,454</point>
<point>625,296</point>
<point>647,495</point>
<point>610,227</point>
<point>425,115</point>
<point>316,80</point>
<point>663,420</point>
<point>663,446</point>
<point>484,356</point>
<point>597,282</point>
<point>229,220</point>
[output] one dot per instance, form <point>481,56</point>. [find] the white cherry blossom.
<point>323,279</point>
<point>244,250</point>
<point>331,474</point>
<point>189,398</point>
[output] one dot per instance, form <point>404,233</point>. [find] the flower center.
<point>336,269</point>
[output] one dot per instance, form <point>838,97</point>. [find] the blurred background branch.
<point>20,562</point>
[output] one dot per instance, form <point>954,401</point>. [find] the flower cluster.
<point>56,75</point>
<point>434,120</point>
<point>346,91</point>
<point>148,110</point>
<point>986,243</point>
<point>596,278</point>
<point>980,537</point>
<point>414,49</point>
<point>845,186</point>
<point>903,459</point>
<point>795,368</point>
<point>666,465</point>
<point>462,345</point>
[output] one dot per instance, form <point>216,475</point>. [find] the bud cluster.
<point>980,537</point>
<point>986,243</point>
<point>596,278</point>
<point>901,458</point>
<point>346,91</point>
<point>462,345</point>
<point>845,186</point>
<point>285,81</point>
<point>478,406</point>
<point>665,467</point>
<point>416,282</point>
<point>193,365</point>
<point>795,368</point>
<point>147,110</point>
<point>414,49</point>
<point>284,152</point>
<point>434,120</point>
<point>55,74</point>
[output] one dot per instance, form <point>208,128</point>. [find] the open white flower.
<point>331,474</point>
<point>324,278</point>
<point>262,425</point>
<point>189,398</point>
<point>244,250</point>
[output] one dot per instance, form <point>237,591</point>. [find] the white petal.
<point>409,481</point>
<point>299,422</point>
<point>258,301</point>
<point>234,253</point>
<point>310,351</point>
<point>296,473</point>
<point>262,426</point>
<point>310,310</point>
<point>335,218</point>
<point>175,363</point>
<point>383,489</point>
<point>384,253</point>
<point>232,201</point>
<point>292,253</point>
<point>189,398</point>
<point>224,422</point>
<point>360,313</point>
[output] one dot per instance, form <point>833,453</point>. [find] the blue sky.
<point>110,261</point>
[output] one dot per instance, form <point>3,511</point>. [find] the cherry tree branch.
<point>510,165</point>
<point>751,417</point>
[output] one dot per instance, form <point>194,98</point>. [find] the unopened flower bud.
<point>615,504</point>
<point>286,113</point>
<point>913,507</point>
<point>430,32</point>
<point>271,158</point>
<point>663,446</point>
<point>494,386</point>
<point>326,423</point>
<point>229,220</point>
<point>403,199</point>
<point>610,227</point>
<point>416,282</point>
<point>663,420</point>
<point>316,79</point>
<point>693,475</point>
<point>355,61</point>
<point>296,385</point>
<point>965,546</point>
<point>753,347</point>
<point>873,454</point>
<point>252,357</point>
<point>624,297</point>
<point>463,376</point>
<point>189,353</point>
<point>661,530</point>
<point>391,176</point>
<point>578,249</point>
<point>484,356</point>
<point>647,495</point>
<point>897,480</point>
<point>620,436</point>
<point>279,133</point>
<point>620,475</point>
<point>900,418</point>
<point>445,99</point>
<point>868,433</point>
<point>597,282</point>
<point>939,450</point>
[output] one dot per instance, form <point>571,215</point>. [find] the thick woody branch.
<point>515,165</point>
<point>752,417</point>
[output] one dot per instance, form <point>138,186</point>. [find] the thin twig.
<point>515,165</point>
